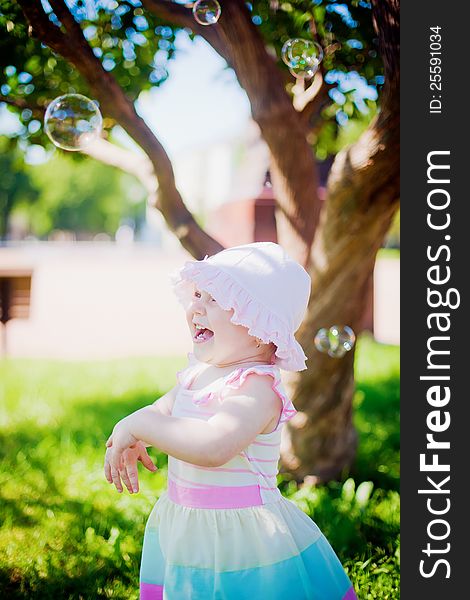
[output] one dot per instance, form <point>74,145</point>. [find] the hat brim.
<point>229,294</point>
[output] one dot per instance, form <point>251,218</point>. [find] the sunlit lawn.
<point>67,534</point>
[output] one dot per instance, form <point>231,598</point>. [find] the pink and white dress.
<point>227,533</point>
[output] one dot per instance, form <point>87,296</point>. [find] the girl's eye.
<point>198,295</point>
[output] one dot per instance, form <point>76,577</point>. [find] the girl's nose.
<point>196,306</point>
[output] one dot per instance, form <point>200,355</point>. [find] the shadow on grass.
<point>377,420</point>
<point>98,582</point>
<point>76,556</point>
<point>73,553</point>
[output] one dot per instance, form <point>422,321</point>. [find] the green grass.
<point>389,253</point>
<point>66,534</point>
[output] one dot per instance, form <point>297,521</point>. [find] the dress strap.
<point>234,380</point>
<point>237,378</point>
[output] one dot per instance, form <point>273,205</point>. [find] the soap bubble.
<point>285,52</point>
<point>322,340</point>
<point>206,12</point>
<point>335,341</point>
<point>341,340</point>
<point>72,121</point>
<point>300,49</point>
<point>303,57</point>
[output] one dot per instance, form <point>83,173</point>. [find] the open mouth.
<point>202,335</point>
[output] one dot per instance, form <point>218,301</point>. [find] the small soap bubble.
<point>341,340</point>
<point>335,341</point>
<point>322,340</point>
<point>285,52</point>
<point>303,57</point>
<point>206,12</point>
<point>347,337</point>
<point>304,49</point>
<point>73,121</point>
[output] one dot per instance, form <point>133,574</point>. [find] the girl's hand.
<point>120,440</point>
<point>129,473</point>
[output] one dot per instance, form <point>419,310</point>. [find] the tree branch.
<point>366,173</point>
<point>374,157</point>
<point>181,15</point>
<point>74,48</point>
<point>386,21</point>
<point>138,165</point>
<point>295,177</point>
<point>38,111</point>
<point>302,94</point>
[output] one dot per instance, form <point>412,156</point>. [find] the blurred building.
<point>219,184</point>
<point>225,186</point>
<point>105,300</point>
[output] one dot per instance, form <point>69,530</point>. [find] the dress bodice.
<point>253,472</point>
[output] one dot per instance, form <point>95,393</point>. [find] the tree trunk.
<point>322,438</point>
<point>362,197</point>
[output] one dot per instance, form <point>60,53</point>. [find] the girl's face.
<point>221,341</point>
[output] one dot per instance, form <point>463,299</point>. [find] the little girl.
<point>222,530</point>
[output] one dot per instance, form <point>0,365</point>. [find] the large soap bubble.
<point>206,12</point>
<point>335,341</point>
<point>304,49</point>
<point>303,57</point>
<point>73,121</point>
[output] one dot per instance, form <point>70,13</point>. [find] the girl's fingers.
<point>107,471</point>
<point>133,478</point>
<point>116,479</point>
<point>125,477</point>
<point>125,469</point>
<point>147,461</point>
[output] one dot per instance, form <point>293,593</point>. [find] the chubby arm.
<point>245,412</point>
<point>164,404</point>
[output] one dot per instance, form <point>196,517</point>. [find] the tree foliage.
<point>86,197</point>
<point>15,184</point>
<point>135,46</point>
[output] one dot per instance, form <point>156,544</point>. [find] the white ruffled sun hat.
<point>267,290</point>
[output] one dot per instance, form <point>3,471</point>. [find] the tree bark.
<point>362,197</point>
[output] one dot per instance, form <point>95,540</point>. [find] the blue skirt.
<point>273,551</point>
